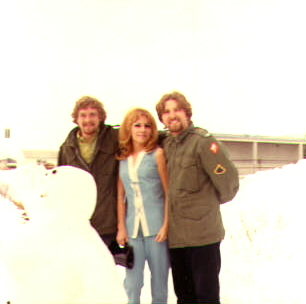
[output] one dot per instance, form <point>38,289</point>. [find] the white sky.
<point>241,63</point>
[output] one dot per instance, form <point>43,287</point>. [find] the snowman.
<point>56,256</point>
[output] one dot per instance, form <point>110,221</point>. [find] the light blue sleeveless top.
<point>144,194</point>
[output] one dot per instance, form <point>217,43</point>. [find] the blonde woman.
<point>142,204</point>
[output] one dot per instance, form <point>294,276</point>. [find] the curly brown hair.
<point>182,102</point>
<point>125,136</point>
<point>88,102</point>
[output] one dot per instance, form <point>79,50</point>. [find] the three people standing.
<point>173,193</point>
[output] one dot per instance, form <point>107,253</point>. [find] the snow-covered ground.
<point>263,252</point>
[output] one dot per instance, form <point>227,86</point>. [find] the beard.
<point>176,127</point>
<point>89,129</point>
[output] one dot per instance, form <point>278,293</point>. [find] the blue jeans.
<point>147,249</point>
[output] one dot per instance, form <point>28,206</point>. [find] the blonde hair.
<point>88,102</point>
<point>125,134</point>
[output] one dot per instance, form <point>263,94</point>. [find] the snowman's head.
<point>68,193</point>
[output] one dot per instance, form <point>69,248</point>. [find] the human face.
<point>174,118</point>
<point>88,120</point>
<point>141,131</point>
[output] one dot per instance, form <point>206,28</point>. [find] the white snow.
<point>56,257</point>
<point>263,252</point>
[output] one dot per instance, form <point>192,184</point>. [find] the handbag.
<point>123,256</point>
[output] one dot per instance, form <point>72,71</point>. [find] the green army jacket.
<point>201,177</point>
<point>104,169</point>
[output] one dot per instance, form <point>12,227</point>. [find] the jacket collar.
<point>180,137</point>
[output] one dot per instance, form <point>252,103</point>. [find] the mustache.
<point>88,124</point>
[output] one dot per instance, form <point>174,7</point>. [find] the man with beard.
<point>92,146</point>
<point>201,177</point>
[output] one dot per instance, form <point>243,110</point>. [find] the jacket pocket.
<point>193,210</point>
<point>187,179</point>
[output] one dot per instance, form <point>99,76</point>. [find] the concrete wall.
<point>251,154</point>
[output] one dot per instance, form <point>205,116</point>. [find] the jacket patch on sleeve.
<point>219,170</point>
<point>214,148</point>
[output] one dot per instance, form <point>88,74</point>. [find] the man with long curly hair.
<point>92,146</point>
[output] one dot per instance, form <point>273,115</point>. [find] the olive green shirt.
<point>87,148</point>
<point>201,176</point>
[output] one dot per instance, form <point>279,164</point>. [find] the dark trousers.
<point>195,272</point>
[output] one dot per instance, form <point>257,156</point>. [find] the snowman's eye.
<point>54,171</point>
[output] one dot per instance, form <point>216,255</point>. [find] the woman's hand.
<point>122,237</point>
